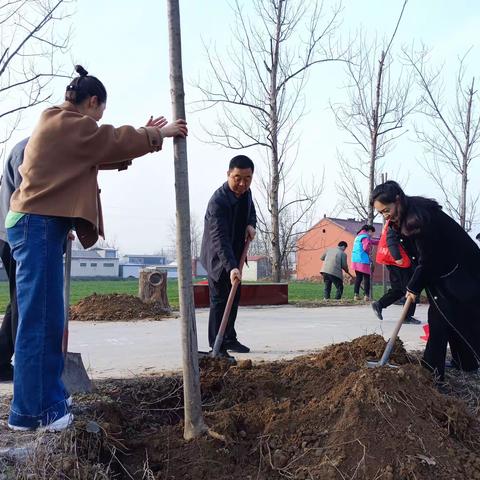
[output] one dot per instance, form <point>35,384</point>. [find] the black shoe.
<point>412,321</point>
<point>6,373</point>
<point>224,354</point>
<point>236,346</point>
<point>377,308</point>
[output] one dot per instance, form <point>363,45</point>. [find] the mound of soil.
<point>115,307</point>
<point>323,416</point>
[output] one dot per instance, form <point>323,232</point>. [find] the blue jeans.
<point>37,244</point>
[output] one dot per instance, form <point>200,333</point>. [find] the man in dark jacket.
<point>229,219</point>
<point>11,179</point>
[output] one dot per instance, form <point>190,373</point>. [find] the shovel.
<point>391,342</point>
<point>228,307</point>
<point>74,376</point>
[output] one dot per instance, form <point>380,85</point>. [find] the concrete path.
<point>126,349</point>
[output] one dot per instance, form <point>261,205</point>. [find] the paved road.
<point>125,349</point>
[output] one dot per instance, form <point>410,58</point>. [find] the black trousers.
<point>219,292</point>
<point>359,276</point>
<point>328,279</point>
<point>457,325</point>
<point>399,278</point>
<point>8,329</point>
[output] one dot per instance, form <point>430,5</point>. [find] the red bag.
<point>383,253</point>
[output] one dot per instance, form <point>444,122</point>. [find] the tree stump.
<point>152,287</point>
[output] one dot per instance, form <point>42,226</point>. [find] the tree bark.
<point>466,157</point>
<point>275,181</point>
<point>194,423</point>
<point>374,136</point>
<point>152,287</point>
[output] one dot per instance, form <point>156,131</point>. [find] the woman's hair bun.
<point>81,71</point>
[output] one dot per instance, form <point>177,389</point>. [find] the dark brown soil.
<point>323,416</point>
<point>115,307</point>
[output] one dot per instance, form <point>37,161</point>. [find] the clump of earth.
<point>115,307</point>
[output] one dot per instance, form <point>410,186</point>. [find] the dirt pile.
<point>115,307</point>
<point>323,416</point>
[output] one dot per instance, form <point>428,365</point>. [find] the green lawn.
<point>83,288</point>
<point>313,291</point>
<point>297,291</point>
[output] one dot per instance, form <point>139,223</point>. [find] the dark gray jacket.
<point>334,261</point>
<point>10,181</point>
<point>219,235</point>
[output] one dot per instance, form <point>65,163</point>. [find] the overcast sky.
<point>125,44</point>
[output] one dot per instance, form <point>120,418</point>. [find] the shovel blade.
<point>371,364</point>
<point>74,376</point>
<point>211,355</point>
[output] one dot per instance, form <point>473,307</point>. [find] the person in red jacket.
<point>399,275</point>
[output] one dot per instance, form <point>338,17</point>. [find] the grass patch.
<point>83,288</point>
<point>313,292</point>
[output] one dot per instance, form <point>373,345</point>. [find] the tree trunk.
<point>371,177</point>
<point>463,194</point>
<point>275,222</point>
<point>194,423</point>
<point>466,157</point>
<point>152,287</point>
<point>374,135</point>
<point>275,183</point>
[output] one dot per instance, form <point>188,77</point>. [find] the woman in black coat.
<point>447,267</point>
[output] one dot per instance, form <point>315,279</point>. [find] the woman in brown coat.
<point>59,191</point>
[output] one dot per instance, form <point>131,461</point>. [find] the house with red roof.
<point>324,235</point>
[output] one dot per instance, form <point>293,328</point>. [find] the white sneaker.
<point>18,428</point>
<point>69,401</point>
<point>59,425</point>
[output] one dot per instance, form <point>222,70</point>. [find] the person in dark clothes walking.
<point>451,278</point>
<point>399,274</point>
<point>229,219</point>
<point>11,180</point>
<point>334,264</point>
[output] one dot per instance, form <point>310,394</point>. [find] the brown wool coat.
<point>61,163</point>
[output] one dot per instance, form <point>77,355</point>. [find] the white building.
<point>95,263</point>
<point>132,264</point>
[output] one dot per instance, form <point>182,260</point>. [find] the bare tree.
<point>196,232</point>
<point>29,48</point>
<point>194,422</point>
<point>295,218</point>
<point>374,117</point>
<point>451,142</point>
<point>257,87</point>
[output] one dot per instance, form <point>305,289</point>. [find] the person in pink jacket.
<point>361,261</point>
